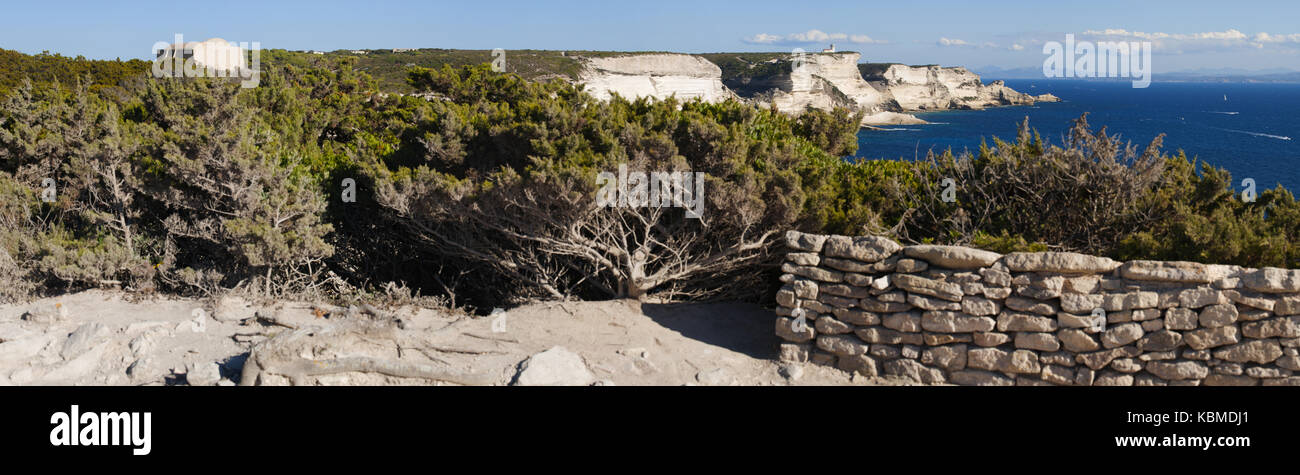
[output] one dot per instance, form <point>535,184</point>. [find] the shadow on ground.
<point>743,328</point>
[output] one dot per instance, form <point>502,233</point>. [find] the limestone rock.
<point>909,322</point>
<point>1166,271</point>
<point>910,266</point>
<point>1253,300</point>
<point>841,345</point>
<point>1178,370</point>
<point>1200,297</point>
<point>953,322</point>
<point>1163,340</point>
<point>927,303</point>
<point>1284,327</point>
<point>1253,351</point>
<point>1181,319</point>
<point>1057,375</point>
<point>860,364</point>
<point>1218,315</point>
<point>803,258</point>
<point>1061,262</point>
<point>804,242</point>
<point>1023,322</point>
<point>911,369</point>
<point>868,249</point>
<point>1077,341</point>
<point>1099,359</point>
<point>988,339</point>
<point>1228,380</point>
<point>1121,335</point>
<point>786,329</point>
<point>827,325</point>
<point>952,257</point>
<point>886,336</point>
<point>794,352</point>
<point>875,305</point>
<point>979,306</point>
<point>920,285</point>
<point>848,265</point>
<point>1037,341</point>
<point>1112,378</point>
<point>856,317</point>
<point>815,273</point>
<point>1130,301</point>
<point>996,277</point>
<point>202,374</point>
<point>556,366</point>
<point>85,337</point>
<point>979,378</point>
<point>1031,306</point>
<point>949,357</point>
<point>1211,337</point>
<point>1288,305</point>
<point>1081,304</point>
<point>1272,280</point>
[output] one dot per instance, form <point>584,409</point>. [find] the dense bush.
<point>501,176</point>
<point>1098,194</point>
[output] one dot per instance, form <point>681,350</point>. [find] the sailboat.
<point>1225,98</point>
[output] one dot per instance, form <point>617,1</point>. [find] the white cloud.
<point>763,38</point>
<point>810,37</point>
<point>864,40</point>
<point>960,42</point>
<point>1203,41</point>
<point>1229,34</point>
<point>1016,47</point>
<point>1267,38</point>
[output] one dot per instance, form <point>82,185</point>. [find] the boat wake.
<point>1259,134</point>
<point>1224,113</point>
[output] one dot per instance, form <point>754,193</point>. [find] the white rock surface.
<point>659,76</point>
<point>554,367</point>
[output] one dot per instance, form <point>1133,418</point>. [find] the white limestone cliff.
<point>659,76</point>
<point>825,81</point>
<point>920,88</point>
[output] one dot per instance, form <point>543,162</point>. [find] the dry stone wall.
<point>956,315</point>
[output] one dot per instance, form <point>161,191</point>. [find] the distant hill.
<point>389,67</point>
<point>45,67</point>
<point>1275,75</point>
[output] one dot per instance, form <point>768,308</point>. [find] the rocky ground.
<point>113,338</point>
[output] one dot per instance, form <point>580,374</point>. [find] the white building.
<point>829,50</point>
<point>214,54</point>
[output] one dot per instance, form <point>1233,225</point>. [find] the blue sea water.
<point>1254,133</point>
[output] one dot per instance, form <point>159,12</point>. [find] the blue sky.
<point>1188,34</point>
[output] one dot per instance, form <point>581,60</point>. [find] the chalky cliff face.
<point>948,314</point>
<point>658,76</point>
<point>825,81</point>
<point>918,88</point>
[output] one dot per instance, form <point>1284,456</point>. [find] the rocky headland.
<point>884,93</point>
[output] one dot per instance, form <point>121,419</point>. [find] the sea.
<point>1251,129</point>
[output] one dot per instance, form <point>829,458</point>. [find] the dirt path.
<point>110,338</point>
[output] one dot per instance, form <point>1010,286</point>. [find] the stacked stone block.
<point>951,314</point>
